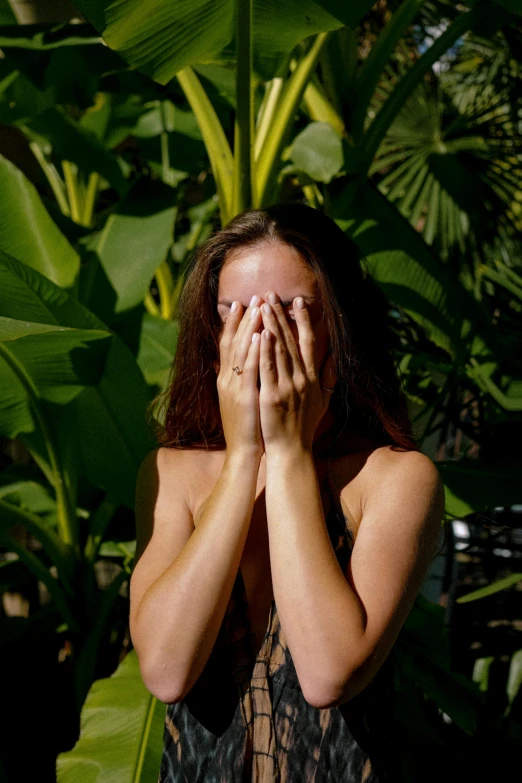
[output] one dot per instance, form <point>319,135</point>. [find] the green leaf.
<point>121,736</point>
<point>510,398</point>
<point>135,240</point>
<point>158,341</point>
<point>318,151</point>
<point>60,361</point>
<point>7,16</point>
<point>350,13</point>
<point>29,494</point>
<point>111,432</point>
<point>476,485</point>
<point>164,39</point>
<point>514,678</point>
<point>125,549</point>
<point>42,37</point>
<point>494,587</point>
<point>54,365</point>
<point>481,672</point>
<point>27,231</point>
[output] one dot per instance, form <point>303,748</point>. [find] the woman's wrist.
<point>288,454</point>
<point>243,458</point>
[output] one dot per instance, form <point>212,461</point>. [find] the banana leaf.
<point>135,240</point>
<point>479,485</point>
<point>177,34</point>
<point>27,231</point>
<point>121,736</point>
<point>111,431</point>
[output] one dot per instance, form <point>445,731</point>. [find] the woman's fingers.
<point>267,368</point>
<point>237,332</point>
<point>284,328</point>
<point>282,362</point>
<point>306,337</point>
<point>251,365</point>
<point>241,346</point>
<point>229,330</point>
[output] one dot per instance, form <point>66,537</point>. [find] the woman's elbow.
<point>160,684</point>
<point>323,696</point>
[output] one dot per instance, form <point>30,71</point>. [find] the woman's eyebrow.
<point>228,303</point>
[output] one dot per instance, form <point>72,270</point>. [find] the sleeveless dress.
<point>246,720</point>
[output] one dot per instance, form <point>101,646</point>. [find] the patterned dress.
<point>246,720</point>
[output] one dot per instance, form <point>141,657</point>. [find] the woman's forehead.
<point>262,268</point>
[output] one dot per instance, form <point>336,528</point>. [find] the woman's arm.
<point>183,578</point>
<point>339,627</point>
<point>181,584</point>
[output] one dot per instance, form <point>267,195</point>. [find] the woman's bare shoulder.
<point>193,470</point>
<point>360,472</point>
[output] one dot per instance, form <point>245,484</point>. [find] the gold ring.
<point>237,370</point>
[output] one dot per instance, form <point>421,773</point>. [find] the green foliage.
<point>180,34</point>
<point>114,165</point>
<point>318,151</point>
<point>121,732</point>
<point>27,230</point>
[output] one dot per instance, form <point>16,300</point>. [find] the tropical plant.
<point>114,174</point>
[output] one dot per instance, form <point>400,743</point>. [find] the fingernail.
<point>255,337</point>
<point>272,298</point>
<point>267,309</point>
<point>300,302</point>
<point>254,313</point>
<point>233,309</point>
<point>254,300</point>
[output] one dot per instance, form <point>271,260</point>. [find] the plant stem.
<point>270,154</point>
<point>150,304</point>
<point>52,177</point>
<point>165,285</point>
<point>320,109</point>
<point>217,146</point>
<point>166,173</point>
<point>90,197</point>
<point>244,122</point>
<point>73,193</point>
<point>266,112</point>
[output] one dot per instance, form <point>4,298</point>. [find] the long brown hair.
<point>368,397</point>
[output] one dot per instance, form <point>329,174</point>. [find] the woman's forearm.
<point>181,613</point>
<point>320,615</point>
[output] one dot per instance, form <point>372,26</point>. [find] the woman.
<point>286,522</point>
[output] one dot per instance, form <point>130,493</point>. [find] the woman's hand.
<point>239,347</point>
<point>292,399</point>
